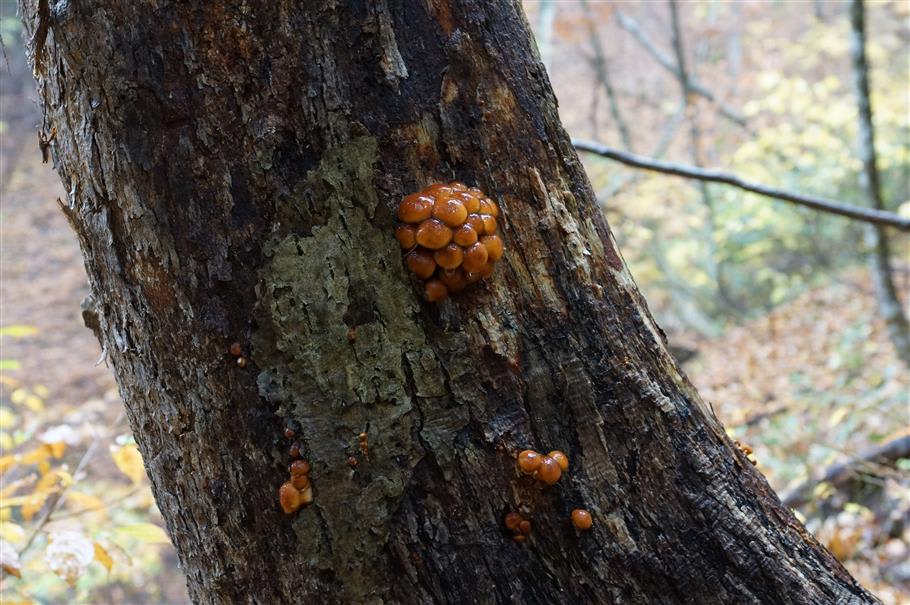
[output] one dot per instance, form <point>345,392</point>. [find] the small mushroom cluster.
<point>297,492</point>
<point>237,351</point>
<point>747,452</point>
<point>449,233</point>
<point>547,469</point>
<point>519,525</point>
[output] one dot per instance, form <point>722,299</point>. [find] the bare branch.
<point>839,474</point>
<point>619,183</point>
<point>694,85</point>
<point>868,215</point>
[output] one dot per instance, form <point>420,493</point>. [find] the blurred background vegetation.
<point>770,306</point>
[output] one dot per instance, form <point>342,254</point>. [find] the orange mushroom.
<point>582,519</point>
<point>549,471</point>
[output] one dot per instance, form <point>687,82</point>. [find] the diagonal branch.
<point>868,215</point>
<point>885,454</point>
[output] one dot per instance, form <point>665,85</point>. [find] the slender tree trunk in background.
<point>876,237</point>
<point>599,64</point>
<point>715,263</point>
<point>545,18</point>
<point>233,177</point>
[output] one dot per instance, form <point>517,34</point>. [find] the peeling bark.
<point>233,174</point>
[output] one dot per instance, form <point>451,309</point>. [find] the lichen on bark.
<point>338,348</point>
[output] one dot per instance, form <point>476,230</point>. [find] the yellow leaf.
<point>102,557</point>
<point>6,441</point>
<point>33,504</point>
<point>18,331</point>
<point>57,449</point>
<point>129,461</point>
<point>7,461</point>
<point>36,456</point>
<point>18,396</point>
<point>838,415</point>
<point>41,390</point>
<point>146,532</point>
<point>49,482</point>
<point>65,478</point>
<point>11,532</point>
<point>34,403</point>
<point>7,418</point>
<point>17,501</point>
<point>84,501</point>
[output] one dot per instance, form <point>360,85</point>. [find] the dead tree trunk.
<point>233,173</point>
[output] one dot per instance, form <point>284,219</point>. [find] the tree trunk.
<point>876,237</point>
<point>233,174</point>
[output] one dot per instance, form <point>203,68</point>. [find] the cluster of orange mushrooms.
<point>519,525</point>
<point>546,469</point>
<point>297,492</point>
<point>449,234</point>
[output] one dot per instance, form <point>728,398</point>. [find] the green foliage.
<point>803,137</point>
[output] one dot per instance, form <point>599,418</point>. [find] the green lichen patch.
<point>341,352</point>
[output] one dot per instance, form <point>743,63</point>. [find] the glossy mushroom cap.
<point>529,461</point>
<point>582,519</point>
<point>561,459</point>
<point>549,471</point>
<point>288,497</point>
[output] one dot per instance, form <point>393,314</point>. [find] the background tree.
<point>233,175</point>
<point>870,182</point>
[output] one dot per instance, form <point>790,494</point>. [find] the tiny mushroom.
<point>288,497</point>
<point>549,471</point>
<point>561,459</point>
<point>581,519</point>
<point>529,461</point>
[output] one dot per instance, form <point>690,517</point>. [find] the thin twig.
<point>103,505</point>
<point>868,215</point>
<point>695,86</point>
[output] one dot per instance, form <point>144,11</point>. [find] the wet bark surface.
<point>233,175</point>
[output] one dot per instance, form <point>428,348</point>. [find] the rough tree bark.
<point>233,173</point>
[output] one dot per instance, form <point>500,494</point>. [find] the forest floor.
<point>810,384</point>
